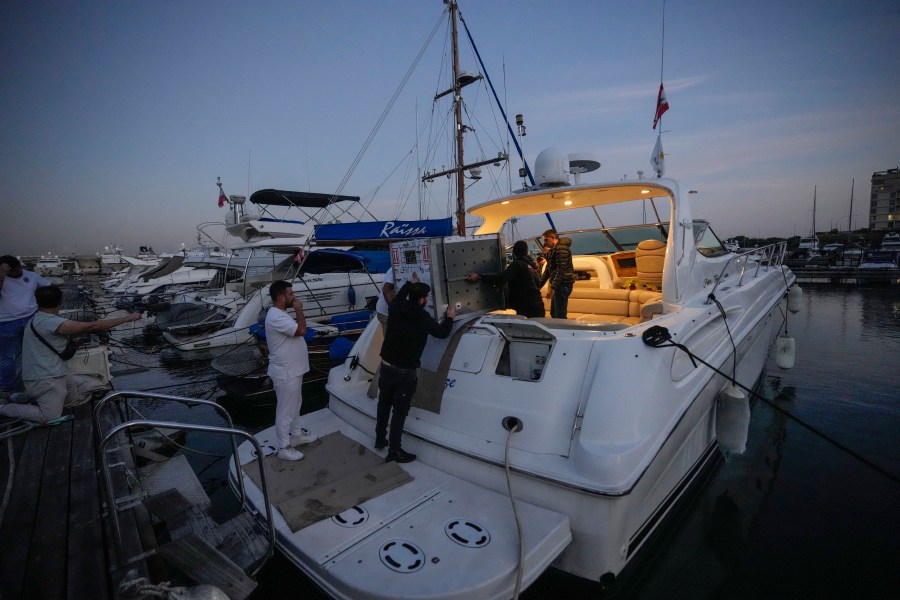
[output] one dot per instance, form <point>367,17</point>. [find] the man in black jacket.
<point>522,278</point>
<point>408,328</point>
<point>560,273</point>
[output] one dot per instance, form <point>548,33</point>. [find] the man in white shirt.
<point>17,306</point>
<point>288,362</point>
<point>388,287</point>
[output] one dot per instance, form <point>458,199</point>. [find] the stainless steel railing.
<point>231,431</point>
<point>749,263</point>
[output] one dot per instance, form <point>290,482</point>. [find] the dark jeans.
<point>11,333</point>
<point>559,303</point>
<point>396,388</point>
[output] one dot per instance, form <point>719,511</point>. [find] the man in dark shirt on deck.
<point>408,328</point>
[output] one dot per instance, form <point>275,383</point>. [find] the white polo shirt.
<point>17,296</point>
<point>288,355</point>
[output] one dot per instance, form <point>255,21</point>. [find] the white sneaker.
<point>290,454</point>
<point>305,436</point>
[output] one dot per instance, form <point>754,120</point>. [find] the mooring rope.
<point>659,337</point>
<point>9,478</point>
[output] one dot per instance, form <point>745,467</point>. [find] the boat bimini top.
<point>553,199</point>
<point>272,197</point>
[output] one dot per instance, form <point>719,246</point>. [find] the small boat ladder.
<point>159,513</point>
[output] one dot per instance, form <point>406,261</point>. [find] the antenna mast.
<point>850,220</point>
<point>460,168</point>
<point>814,212</point>
<point>457,103</point>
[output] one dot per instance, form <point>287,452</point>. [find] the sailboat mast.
<point>814,212</point>
<point>457,102</point>
<point>850,219</point>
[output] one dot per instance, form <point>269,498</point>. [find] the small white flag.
<point>658,158</point>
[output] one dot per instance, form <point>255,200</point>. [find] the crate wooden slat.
<point>200,561</point>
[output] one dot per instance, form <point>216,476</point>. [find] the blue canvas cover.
<point>383,230</point>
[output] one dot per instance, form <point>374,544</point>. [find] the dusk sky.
<point>117,117</point>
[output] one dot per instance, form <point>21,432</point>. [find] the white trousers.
<point>288,400</point>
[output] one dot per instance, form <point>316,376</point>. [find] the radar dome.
<point>551,168</point>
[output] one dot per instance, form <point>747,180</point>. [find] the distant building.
<point>883,205</point>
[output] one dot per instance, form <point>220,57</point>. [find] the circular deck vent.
<point>352,517</point>
<point>402,556</point>
<point>267,451</point>
<point>467,533</point>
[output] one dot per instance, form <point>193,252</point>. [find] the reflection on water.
<point>793,517</point>
<point>796,517</point>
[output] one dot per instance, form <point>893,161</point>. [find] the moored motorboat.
<point>49,266</point>
<point>613,430</point>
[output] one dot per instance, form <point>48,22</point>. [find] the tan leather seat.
<point>650,256</point>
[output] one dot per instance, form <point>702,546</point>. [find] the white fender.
<point>785,351</point>
<point>795,297</point>
<point>732,420</point>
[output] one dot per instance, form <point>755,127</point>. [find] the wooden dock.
<point>846,275</point>
<point>52,536</point>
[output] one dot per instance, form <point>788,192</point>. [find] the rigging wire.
<point>387,109</point>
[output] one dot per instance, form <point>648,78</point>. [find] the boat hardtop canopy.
<point>537,202</point>
<point>270,197</point>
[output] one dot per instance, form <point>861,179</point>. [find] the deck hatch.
<point>469,534</point>
<point>401,556</point>
<point>352,517</point>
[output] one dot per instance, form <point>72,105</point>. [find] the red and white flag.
<point>662,105</point>
<point>222,198</point>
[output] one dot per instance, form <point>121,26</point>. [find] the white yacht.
<point>891,241</point>
<point>281,214</point>
<point>49,266</point>
<point>541,441</point>
<point>328,282</point>
<point>810,244</point>
<point>330,274</point>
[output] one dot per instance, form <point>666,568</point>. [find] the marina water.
<point>793,517</point>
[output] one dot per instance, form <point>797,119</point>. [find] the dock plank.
<point>87,568</point>
<point>21,512</point>
<point>46,566</point>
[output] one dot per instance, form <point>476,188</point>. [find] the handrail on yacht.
<point>231,432</point>
<point>772,255</point>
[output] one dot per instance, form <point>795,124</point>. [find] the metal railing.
<point>753,259</point>
<point>230,431</point>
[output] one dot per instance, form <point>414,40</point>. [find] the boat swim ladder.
<point>105,441</point>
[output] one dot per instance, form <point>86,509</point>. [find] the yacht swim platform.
<point>363,528</point>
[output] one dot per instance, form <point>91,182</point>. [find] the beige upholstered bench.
<point>631,307</point>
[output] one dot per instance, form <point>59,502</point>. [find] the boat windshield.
<point>706,241</point>
<point>614,239</point>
